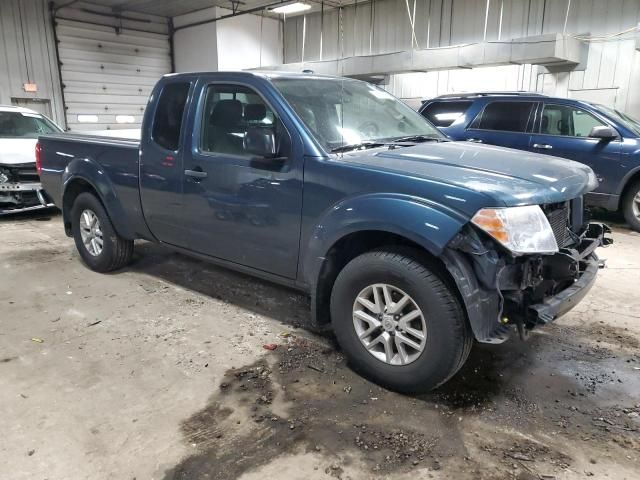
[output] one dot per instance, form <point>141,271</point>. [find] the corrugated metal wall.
<point>27,55</point>
<point>109,65</point>
<point>611,74</point>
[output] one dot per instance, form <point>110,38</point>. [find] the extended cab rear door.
<point>238,206</point>
<point>161,170</point>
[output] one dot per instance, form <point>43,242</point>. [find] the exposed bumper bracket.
<point>20,188</point>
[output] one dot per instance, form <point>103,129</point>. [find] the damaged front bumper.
<point>22,197</point>
<point>501,291</point>
<point>578,265</point>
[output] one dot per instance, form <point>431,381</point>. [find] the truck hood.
<point>511,177</point>
<point>14,151</point>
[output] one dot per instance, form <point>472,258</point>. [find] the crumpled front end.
<point>20,189</point>
<point>502,291</point>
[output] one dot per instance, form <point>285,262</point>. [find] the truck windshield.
<point>342,112</point>
<point>629,122</point>
<point>25,125</point>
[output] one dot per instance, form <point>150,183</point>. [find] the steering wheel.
<point>369,129</point>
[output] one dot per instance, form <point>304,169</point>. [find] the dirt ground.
<point>159,371</point>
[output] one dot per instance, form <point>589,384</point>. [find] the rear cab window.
<point>444,114</point>
<point>169,114</point>
<point>506,116</point>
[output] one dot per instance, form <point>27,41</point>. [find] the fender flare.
<point>89,171</point>
<point>428,224</point>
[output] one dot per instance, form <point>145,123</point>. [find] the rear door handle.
<point>197,173</point>
<point>544,146</point>
<point>474,140</point>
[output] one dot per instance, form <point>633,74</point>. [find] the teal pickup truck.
<point>410,245</point>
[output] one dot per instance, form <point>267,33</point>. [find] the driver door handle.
<point>544,146</point>
<point>197,173</point>
<point>474,140</point>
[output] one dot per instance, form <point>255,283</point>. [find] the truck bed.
<point>110,165</point>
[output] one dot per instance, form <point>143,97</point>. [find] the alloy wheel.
<point>91,233</point>
<point>635,205</point>
<point>389,324</point>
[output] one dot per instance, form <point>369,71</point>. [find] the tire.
<point>631,206</point>
<point>115,252</point>
<point>448,336</point>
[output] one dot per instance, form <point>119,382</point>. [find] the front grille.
<point>26,174</point>
<point>23,173</point>
<point>558,217</point>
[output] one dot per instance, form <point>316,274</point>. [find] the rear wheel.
<point>631,206</point>
<point>398,321</point>
<point>99,245</point>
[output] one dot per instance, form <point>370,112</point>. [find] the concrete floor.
<point>159,372</point>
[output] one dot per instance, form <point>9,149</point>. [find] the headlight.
<point>520,229</point>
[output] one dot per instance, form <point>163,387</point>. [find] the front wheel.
<point>631,206</point>
<point>99,245</point>
<point>398,322</point>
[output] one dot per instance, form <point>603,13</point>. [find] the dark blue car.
<point>603,138</point>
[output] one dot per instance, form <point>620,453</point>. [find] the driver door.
<point>239,207</point>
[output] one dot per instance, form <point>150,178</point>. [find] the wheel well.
<point>72,191</point>
<point>633,180</point>
<point>353,245</point>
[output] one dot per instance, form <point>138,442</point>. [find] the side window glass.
<point>167,122</point>
<point>567,121</point>
<point>233,112</point>
<point>443,114</point>
<point>505,116</point>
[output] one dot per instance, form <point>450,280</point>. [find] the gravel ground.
<point>160,371</point>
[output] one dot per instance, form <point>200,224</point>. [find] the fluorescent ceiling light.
<point>292,8</point>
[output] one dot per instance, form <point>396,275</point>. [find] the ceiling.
<point>172,8</point>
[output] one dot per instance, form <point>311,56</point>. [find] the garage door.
<point>107,74</point>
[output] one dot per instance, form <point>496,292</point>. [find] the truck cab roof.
<point>268,74</point>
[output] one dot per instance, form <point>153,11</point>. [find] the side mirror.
<point>260,142</point>
<point>603,132</point>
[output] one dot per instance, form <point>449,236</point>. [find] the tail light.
<point>39,158</point>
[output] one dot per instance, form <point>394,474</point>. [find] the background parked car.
<point>605,139</point>
<point>20,187</point>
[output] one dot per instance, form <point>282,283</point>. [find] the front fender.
<point>428,224</point>
<point>89,171</point>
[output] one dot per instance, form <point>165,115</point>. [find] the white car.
<point>20,187</point>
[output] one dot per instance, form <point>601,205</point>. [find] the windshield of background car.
<point>629,122</point>
<point>343,112</point>
<point>25,125</point>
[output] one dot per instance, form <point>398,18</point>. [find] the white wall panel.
<point>29,58</point>
<point>195,48</point>
<point>238,43</point>
<point>247,41</point>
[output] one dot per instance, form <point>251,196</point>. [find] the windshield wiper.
<point>419,139</point>
<point>357,146</point>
